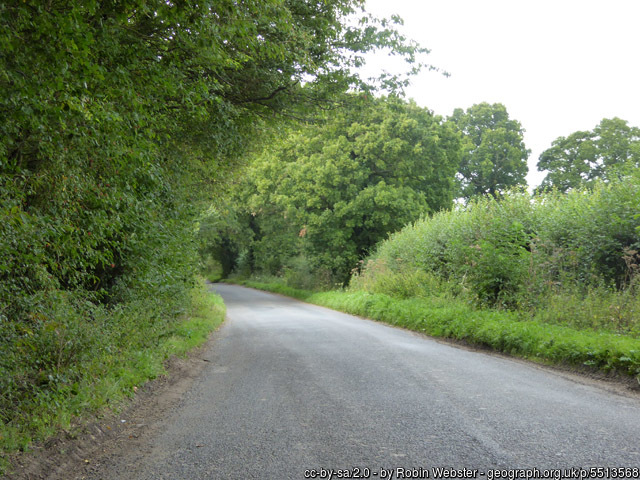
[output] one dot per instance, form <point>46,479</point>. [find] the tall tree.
<point>584,156</point>
<point>495,156</point>
<point>365,172</point>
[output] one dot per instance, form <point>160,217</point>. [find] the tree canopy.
<point>343,185</point>
<point>495,156</point>
<point>584,156</point>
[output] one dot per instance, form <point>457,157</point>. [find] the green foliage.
<point>379,278</point>
<point>495,157</point>
<point>331,191</point>
<point>276,287</point>
<point>502,331</point>
<point>522,253</point>
<point>611,149</point>
<point>114,113</point>
<point>482,246</point>
<point>599,309</point>
<point>299,273</point>
<point>590,235</point>
<point>222,233</point>
<point>211,269</point>
<point>71,365</point>
<point>207,312</point>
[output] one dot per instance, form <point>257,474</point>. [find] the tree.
<point>495,156</point>
<point>584,156</point>
<point>345,184</point>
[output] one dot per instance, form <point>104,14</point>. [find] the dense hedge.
<point>83,360</point>
<point>561,257</point>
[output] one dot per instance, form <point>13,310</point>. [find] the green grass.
<point>499,330</point>
<point>274,287</point>
<point>109,376</point>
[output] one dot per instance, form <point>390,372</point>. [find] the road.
<point>290,387</point>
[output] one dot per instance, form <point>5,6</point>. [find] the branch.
<point>267,98</point>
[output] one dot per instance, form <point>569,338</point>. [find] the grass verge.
<point>110,376</point>
<point>499,330</point>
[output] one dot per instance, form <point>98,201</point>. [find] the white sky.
<point>557,65</point>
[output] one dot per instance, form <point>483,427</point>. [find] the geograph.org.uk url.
<point>562,473</point>
<point>488,474</point>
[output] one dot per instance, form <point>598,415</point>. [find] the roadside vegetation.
<point>143,142</point>
<point>315,201</point>
<point>569,259</point>
<point>98,363</point>
<point>499,330</point>
<point>553,276</point>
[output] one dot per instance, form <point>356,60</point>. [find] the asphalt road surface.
<point>295,391</point>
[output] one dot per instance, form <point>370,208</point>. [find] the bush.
<point>78,357</point>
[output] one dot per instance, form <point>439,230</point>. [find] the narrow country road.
<point>290,388</point>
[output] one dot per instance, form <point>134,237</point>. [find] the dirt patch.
<point>81,452</point>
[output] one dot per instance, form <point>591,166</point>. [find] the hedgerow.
<point>555,256</point>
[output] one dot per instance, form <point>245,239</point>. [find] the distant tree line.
<point>610,150</point>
